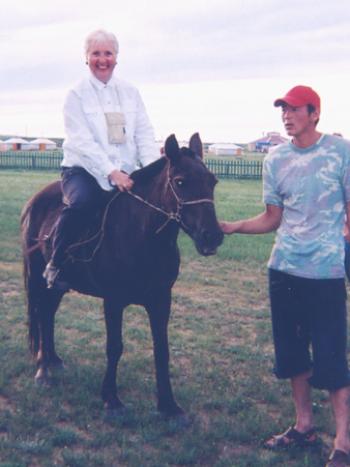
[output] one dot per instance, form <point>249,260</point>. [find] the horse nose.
<point>208,241</point>
<point>212,237</point>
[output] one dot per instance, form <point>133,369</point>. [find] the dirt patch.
<point>5,404</point>
<point>10,267</point>
<point>11,293</point>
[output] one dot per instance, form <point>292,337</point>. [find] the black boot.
<point>64,235</point>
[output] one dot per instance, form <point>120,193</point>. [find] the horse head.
<point>191,190</point>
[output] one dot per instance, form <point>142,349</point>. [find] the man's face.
<point>102,59</point>
<point>298,120</point>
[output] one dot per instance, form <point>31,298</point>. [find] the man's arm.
<point>265,222</point>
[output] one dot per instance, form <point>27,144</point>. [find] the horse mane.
<point>148,172</point>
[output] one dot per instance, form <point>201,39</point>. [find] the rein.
<point>171,216</point>
<point>100,234</point>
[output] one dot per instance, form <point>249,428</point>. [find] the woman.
<point>108,134</point>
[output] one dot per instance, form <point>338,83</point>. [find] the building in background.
<point>225,149</point>
<point>272,138</point>
<point>43,144</point>
<point>17,144</point>
<point>3,146</point>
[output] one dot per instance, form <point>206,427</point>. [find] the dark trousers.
<point>347,259</point>
<point>82,196</point>
<point>310,314</point>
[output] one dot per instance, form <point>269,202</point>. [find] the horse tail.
<point>32,310</point>
<point>32,261</point>
<point>35,215</point>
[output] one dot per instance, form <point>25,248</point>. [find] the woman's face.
<point>102,59</point>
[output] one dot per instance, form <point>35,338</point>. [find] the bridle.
<point>170,216</point>
<point>180,203</point>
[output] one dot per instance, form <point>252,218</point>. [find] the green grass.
<point>221,361</point>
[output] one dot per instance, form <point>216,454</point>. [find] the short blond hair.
<point>101,35</point>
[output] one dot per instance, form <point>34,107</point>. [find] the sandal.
<point>338,458</point>
<point>291,438</point>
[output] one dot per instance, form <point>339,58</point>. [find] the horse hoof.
<point>178,419</point>
<point>42,381</point>
<point>184,421</point>
<point>181,422</point>
<point>42,378</point>
<point>58,366</point>
<point>115,413</point>
<point>170,411</point>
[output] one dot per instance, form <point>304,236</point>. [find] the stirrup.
<point>51,275</point>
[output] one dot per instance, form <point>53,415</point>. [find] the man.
<point>306,190</point>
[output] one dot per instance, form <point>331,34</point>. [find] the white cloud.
<point>216,65</point>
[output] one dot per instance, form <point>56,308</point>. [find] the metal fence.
<point>237,169</point>
<point>51,160</point>
<point>31,160</point>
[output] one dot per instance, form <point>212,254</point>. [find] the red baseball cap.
<point>299,96</point>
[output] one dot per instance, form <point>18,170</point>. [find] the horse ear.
<point>172,150</point>
<point>196,145</point>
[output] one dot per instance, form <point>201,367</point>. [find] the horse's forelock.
<point>187,152</point>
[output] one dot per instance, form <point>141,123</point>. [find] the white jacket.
<point>86,144</point>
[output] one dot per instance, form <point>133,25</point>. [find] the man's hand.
<point>121,180</point>
<point>229,227</point>
<point>265,222</point>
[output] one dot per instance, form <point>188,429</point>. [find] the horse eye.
<point>179,182</point>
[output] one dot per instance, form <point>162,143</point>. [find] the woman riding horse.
<point>107,134</point>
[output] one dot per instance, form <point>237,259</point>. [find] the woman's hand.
<point>121,180</point>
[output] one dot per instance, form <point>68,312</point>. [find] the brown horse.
<point>132,259</point>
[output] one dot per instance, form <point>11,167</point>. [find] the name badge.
<point>116,127</point>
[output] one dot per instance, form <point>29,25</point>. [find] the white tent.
<point>17,143</point>
<point>225,149</point>
<point>42,144</point>
<point>16,140</point>
<point>3,146</point>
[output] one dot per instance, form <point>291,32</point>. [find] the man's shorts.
<point>309,319</point>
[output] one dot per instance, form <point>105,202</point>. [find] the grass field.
<point>221,362</point>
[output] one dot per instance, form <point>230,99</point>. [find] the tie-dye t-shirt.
<point>312,185</point>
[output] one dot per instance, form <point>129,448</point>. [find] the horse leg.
<point>54,361</point>
<point>159,312</point>
<point>114,348</point>
<point>46,356</point>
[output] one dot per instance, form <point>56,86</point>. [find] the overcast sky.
<point>208,66</point>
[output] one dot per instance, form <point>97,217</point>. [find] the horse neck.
<point>155,200</point>
<point>158,193</point>
<point>156,190</point>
